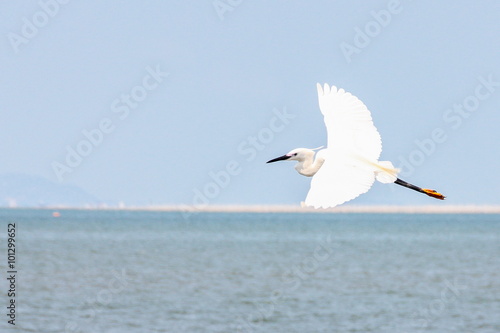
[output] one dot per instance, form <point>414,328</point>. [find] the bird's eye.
<point>295,154</point>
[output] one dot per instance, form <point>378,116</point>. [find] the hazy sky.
<point>148,101</point>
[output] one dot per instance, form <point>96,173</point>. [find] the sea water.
<point>133,271</point>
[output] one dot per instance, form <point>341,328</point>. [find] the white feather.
<point>350,133</point>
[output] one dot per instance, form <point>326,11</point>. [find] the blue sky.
<point>164,100</point>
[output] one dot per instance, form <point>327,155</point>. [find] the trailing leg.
<point>428,192</point>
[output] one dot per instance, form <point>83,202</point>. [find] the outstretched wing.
<point>340,179</point>
<point>351,134</point>
<point>348,123</point>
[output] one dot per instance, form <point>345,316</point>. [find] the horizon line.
<point>191,209</point>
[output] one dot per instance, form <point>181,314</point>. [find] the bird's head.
<point>298,154</point>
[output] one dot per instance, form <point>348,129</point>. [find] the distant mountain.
<point>21,190</point>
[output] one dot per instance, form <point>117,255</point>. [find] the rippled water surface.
<point>111,271</point>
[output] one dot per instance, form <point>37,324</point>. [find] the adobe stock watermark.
<point>449,294</point>
<point>453,117</point>
<point>224,6</point>
<point>32,26</point>
<point>96,304</point>
<point>121,108</point>
<point>292,279</point>
<point>363,36</point>
<point>248,149</point>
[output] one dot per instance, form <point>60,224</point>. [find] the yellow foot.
<point>434,194</point>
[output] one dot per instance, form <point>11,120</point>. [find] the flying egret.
<point>349,165</point>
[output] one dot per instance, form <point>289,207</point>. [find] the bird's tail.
<point>385,172</point>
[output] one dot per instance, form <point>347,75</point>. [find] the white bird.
<point>349,165</point>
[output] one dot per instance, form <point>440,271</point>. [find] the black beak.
<point>281,158</point>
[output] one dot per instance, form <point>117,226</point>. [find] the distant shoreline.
<point>457,209</point>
